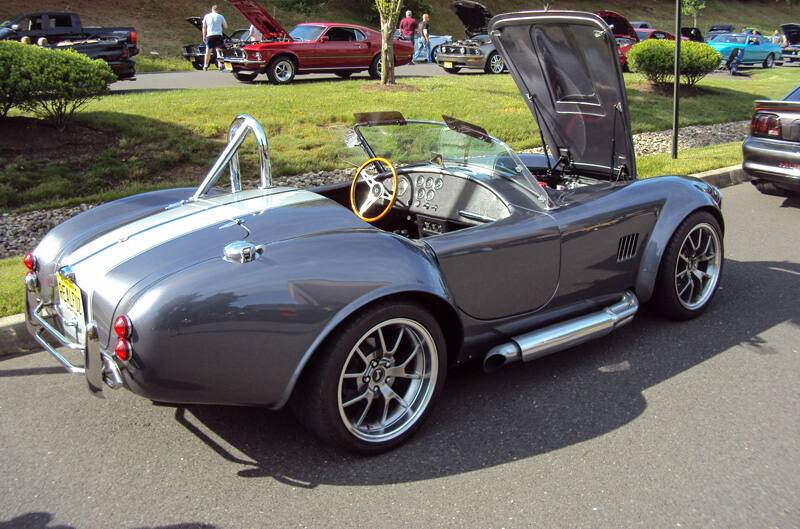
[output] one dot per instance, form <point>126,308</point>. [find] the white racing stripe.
<point>93,261</point>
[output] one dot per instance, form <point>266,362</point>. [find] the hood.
<point>196,22</point>
<point>260,18</point>
<point>618,24</point>
<point>792,32</point>
<point>566,66</point>
<point>473,15</point>
<point>721,28</point>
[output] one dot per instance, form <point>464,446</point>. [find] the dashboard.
<point>435,198</point>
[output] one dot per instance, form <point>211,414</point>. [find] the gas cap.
<point>241,252</point>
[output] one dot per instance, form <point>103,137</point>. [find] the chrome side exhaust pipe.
<point>560,336</point>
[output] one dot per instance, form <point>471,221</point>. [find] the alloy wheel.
<point>698,266</point>
<point>284,71</point>
<point>388,380</point>
<point>496,64</point>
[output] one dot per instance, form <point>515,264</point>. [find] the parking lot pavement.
<point>662,424</point>
<point>216,79</point>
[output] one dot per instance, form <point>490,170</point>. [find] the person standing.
<point>777,38</point>
<point>253,35</point>
<point>425,35</point>
<point>213,26</point>
<point>408,28</point>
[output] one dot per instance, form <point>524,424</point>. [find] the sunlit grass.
<point>691,161</point>
<point>12,290</point>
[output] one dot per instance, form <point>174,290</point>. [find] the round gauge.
<point>429,183</point>
<point>420,181</point>
<point>402,186</point>
<point>438,183</point>
<point>429,195</point>
<point>420,194</point>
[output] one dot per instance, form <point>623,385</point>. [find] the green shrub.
<point>17,82</point>
<point>655,59</point>
<point>698,59</point>
<point>67,81</point>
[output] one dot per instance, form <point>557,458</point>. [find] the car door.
<point>339,49</point>
<point>504,268</point>
<point>753,50</point>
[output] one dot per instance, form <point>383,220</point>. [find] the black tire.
<point>197,65</point>
<point>344,75</point>
<point>666,296</point>
<point>490,68</point>
<point>434,54</point>
<point>454,70</point>
<point>375,67</point>
<point>281,70</point>
<point>768,188</point>
<point>315,400</point>
<point>245,77</point>
<point>769,62</point>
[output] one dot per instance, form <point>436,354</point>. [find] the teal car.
<point>753,49</point>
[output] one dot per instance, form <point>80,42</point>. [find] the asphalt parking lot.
<point>662,424</point>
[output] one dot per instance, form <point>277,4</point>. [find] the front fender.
<point>230,333</point>
<point>684,196</point>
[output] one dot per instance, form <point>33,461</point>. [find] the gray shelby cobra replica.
<point>351,301</point>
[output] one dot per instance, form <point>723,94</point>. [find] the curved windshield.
<point>731,39</point>
<point>306,33</point>
<point>429,143</point>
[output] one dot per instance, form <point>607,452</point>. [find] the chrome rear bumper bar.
<point>110,372</point>
<point>55,333</point>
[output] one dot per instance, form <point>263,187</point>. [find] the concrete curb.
<point>14,337</point>
<point>724,177</point>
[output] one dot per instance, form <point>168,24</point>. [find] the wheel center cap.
<point>378,375</point>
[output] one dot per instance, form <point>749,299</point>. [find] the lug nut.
<point>375,389</point>
<point>365,379</point>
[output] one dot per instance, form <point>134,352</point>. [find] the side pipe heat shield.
<point>563,335</point>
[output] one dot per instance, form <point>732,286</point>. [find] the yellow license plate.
<point>448,64</point>
<point>69,294</point>
<point>229,66</point>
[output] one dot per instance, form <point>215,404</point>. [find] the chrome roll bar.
<point>243,125</point>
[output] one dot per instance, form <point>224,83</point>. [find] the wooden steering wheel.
<point>377,191</point>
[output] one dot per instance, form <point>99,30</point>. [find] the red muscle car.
<point>624,33</point>
<point>311,47</point>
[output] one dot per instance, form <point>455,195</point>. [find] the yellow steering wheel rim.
<point>385,163</point>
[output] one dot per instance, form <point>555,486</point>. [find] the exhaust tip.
<point>500,356</point>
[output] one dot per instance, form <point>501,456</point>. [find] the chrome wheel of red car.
<point>376,68</point>
<point>281,70</point>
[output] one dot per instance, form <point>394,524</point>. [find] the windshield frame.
<point>526,181</point>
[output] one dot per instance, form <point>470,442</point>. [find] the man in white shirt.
<point>213,25</point>
<point>254,35</point>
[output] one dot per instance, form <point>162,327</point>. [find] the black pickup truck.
<point>63,30</point>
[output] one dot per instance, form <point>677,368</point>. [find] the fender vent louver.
<point>627,247</point>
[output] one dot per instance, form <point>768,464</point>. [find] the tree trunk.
<point>387,51</point>
<point>694,18</point>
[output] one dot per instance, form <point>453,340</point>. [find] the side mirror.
<point>15,27</point>
<point>324,38</point>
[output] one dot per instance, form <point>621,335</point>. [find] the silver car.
<point>477,51</point>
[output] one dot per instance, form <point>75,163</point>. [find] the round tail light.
<point>30,261</point>
<point>122,327</point>
<point>123,349</point>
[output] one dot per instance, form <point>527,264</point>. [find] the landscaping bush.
<point>51,83</point>
<point>655,60</point>
<point>67,81</point>
<point>698,59</point>
<point>17,82</point>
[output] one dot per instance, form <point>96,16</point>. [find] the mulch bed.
<point>38,139</point>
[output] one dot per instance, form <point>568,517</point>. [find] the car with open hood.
<point>196,53</point>
<point>719,29</point>
<point>476,51</point>
<point>624,33</point>
<point>311,47</point>
<point>351,301</point>
<point>791,50</point>
<point>752,49</point>
<point>772,150</point>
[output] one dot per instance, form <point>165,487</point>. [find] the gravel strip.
<point>20,232</point>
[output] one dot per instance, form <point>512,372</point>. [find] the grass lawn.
<point>12,290</point>
<point>164,138</point>
<point>156,63</point>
